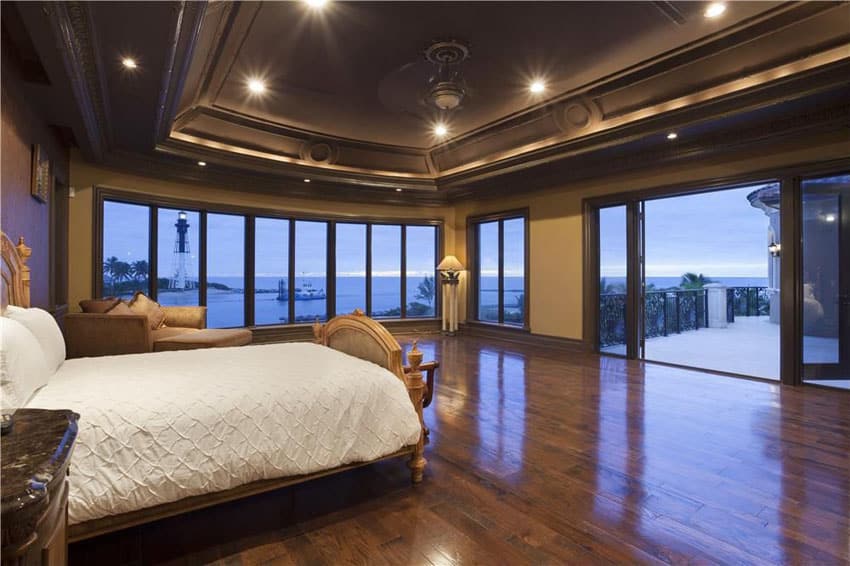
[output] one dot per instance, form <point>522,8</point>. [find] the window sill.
<point>495,326</point>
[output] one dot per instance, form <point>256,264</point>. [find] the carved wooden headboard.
<point>15,286</point>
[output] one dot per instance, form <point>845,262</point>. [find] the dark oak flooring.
<point>546,457</point>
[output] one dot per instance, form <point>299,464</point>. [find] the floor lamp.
<point>450,269</point>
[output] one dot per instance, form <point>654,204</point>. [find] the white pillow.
<point>43,326</point>
<point>22,366</point>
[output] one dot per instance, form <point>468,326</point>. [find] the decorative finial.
<point>414,356</point>
<point>358,312</point>
<point>317,331</point>
<point>24,251</point>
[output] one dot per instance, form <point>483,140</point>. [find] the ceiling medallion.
<point>319,152</point>
<point>447,88</point>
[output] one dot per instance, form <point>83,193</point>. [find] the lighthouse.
<point>179,277</point>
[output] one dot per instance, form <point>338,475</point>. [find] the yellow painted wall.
<point>84,176</point>
<point>556,262</point>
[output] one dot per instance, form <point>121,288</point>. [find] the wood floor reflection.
<point>541,456</point>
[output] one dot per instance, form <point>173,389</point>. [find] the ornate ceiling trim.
<point>672,90</point>
<point>189,16</point>
<point>75,35</point>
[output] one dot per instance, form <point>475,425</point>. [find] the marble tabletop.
<point>35,454</point>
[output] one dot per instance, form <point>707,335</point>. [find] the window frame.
<point>155,202</point>
<point>472,232</point>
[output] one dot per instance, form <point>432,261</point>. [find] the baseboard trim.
<point>522,336</point>
<point>304,332</point>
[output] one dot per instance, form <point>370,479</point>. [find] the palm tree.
<point>139,269</point>
<point>694,281</point>
<point>426,290</point>
<point>121,271</point>
<point>109,269</point>
<point>606,288</point>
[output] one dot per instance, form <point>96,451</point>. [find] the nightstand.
<point>36,456</point>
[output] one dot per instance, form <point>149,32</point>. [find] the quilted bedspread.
<point>159,427</point>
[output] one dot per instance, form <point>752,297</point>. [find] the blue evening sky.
<point>718,234</point>
<point>126,237</point>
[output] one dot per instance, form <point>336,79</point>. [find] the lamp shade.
<point>450,263</point>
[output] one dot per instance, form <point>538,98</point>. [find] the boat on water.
<point>305,292</point>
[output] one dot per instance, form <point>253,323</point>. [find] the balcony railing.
<point>675,311</point>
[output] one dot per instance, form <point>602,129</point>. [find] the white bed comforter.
<point>160,427</point>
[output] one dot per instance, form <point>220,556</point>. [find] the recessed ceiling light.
<point>440,130</point>
<point>537,87</point>
<point>129,63</point>
<point>256,86</point>
<point>672,136</point>
<point>317,4</point>
<point>715,9</point>
<point>306,180</point>
<point>202,163</point>
<point>398,190</point>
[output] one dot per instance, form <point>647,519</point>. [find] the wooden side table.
<point>36,456</point>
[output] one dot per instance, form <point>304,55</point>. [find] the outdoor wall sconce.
<point>774,249</point>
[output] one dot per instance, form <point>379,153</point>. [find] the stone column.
<point>716,305</point>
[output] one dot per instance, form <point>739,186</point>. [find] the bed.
<point>164,433</point>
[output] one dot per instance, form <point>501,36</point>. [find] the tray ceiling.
<point>344,102</point>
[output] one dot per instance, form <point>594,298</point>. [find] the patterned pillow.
<point>142,304</point>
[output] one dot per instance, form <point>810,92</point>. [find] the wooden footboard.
<point>362,337</point>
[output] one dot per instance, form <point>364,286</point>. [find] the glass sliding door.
<point>826,280</point>
<point>613,260</point>
<point>710,280</point>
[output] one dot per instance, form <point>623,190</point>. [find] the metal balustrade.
<point>675,311</point>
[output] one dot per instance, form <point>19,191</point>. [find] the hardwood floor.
<point>546,457</point>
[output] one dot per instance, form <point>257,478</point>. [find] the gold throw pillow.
<point>142,304</point>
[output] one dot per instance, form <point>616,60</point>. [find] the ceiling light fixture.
<point>537,87</point>
<point>672,136</point>
<point>306,180</point>
<point>317,4</point>
<point>202,163</point>
<point>256,86</point>
<point>398,190</point>
<point>715,9</point>
<point>440,130</point>
<point>447,87</point>
<point>129,63</point>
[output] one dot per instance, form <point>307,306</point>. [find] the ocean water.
<point>227,308</point>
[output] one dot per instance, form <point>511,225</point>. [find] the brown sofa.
<point>91,334</point>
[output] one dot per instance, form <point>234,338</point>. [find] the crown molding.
<point>75,35</point>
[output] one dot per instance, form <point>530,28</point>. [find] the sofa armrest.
<point>106,334</point>
<point>186,317</point>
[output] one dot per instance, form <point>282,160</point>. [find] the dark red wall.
<point>20,213</point>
